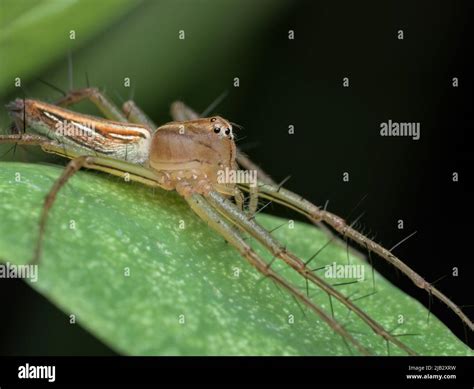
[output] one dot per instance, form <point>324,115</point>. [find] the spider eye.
<point>227,131</point>
<point>217,130</point>
<point>213,119</point>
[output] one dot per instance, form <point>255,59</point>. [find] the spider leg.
<point>229,210</point>
<point>253,201</point>
<point>206,212</point>
<point>103,103</point>
<point>239,198</point>
<point>130,110</point>
<point>134,114</point>
<point>119,168</point>
<point>71,168</point>
<point>181,112</point>
<point>304,207</point>
<point>25,139</point>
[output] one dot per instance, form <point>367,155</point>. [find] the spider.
<point>188,156</point>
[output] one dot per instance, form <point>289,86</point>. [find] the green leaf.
<point>102,227</point>
<point>35,33</point>
<point>134,39</point>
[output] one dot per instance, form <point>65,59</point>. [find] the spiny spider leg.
<point>104,104</point>
<point>71,168</point>
<point>228,209</point>
<point>24,139</point>
<point>206,212</point>
<point>136,115</point>
<point>253,201</point>
<point>131,112</point>
<point>304,207</point>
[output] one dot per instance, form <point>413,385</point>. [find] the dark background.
<point>299,82</point>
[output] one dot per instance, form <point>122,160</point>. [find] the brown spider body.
<point>89,134</point>
<point>187,155</point>
<point>191,154</point>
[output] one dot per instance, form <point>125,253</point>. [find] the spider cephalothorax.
<point>191,153</point>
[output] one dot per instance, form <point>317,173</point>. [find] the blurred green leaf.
<point>34,33</point>
<point>143,46</point>
<point>101,227</point>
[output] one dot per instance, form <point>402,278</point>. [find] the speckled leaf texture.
<point>145,286</point>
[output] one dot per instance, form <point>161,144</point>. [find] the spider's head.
<point>206,145</point>
<point>221,127</point>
